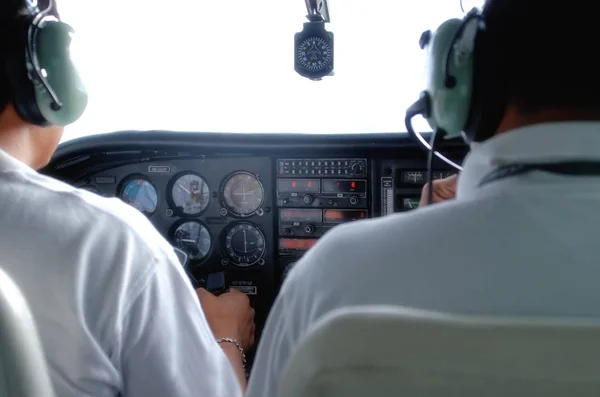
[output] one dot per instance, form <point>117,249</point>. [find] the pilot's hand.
<point>443,189</point>
<point>229,315</point>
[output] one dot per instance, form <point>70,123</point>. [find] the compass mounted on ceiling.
<point>313,47</point>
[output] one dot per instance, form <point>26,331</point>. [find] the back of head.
<point>41,90</point>
<point>43,81</point>
<point>515,63</point>
<point>13,15</point>
<point>545,50</point>
<point>9,10</point>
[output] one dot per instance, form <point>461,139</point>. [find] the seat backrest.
<point>379,351</point>
<point>23,369</point>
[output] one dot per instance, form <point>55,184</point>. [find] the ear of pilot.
<point>298,269</point>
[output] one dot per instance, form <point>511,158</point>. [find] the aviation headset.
<point>44,84</point>
<point>465,93</point>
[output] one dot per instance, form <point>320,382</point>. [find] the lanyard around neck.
<point>574,168</point>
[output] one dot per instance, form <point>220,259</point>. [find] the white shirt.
<point>114,309</point>
<point>526,245</point>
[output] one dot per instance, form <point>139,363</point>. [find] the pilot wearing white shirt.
<point>521,236</point>
<point>114,309</point>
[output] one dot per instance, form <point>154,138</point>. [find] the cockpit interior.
<point>245,131</point>
<point>246,159</point>
<point>246,210</point>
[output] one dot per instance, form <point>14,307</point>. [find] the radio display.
<point>344,186</point>
<point>296,244</point>
<point>342,216</point>
<point>301,215</point>
<point>299,185</point>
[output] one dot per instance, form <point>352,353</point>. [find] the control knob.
<point>353,200</point>
<point>357,168</point>
<point>308,199</point>
<point>309,229</point>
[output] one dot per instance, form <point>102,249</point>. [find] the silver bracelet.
<point>239,347</point>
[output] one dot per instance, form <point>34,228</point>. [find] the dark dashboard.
<point>246,207</point>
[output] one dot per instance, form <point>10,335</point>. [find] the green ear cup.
<point>450,92</point>
<point>52,48</point>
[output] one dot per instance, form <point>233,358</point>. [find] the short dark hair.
<point>547,52</point>
<point>9,13</point>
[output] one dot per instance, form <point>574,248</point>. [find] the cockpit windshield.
<point>228,66</point>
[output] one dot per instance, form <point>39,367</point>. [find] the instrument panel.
<point>217,210</point>
<point>252,217</point>
<point>313,196</point>
<point>400,185</point>
<point>246,212</point>
<point>240,215</point>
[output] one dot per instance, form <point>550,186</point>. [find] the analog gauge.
<point>193,238</point>
<point>140,194</point>
<point>190,194</point>
<point>243,194</point>
<point>314,54</point>
<point>244,244</point>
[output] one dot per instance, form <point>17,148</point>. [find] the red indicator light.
<point>297,244</point>
<point>309,183</point>
<point>293,183</point>
<point>333,214</point>
<point>353,185</point>
<point>362,214</point>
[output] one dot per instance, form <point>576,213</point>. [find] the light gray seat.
<point>23,369</point>
<point>379,351</point>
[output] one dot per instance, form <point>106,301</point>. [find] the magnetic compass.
<point>314,54</point>
<point>314,51</point>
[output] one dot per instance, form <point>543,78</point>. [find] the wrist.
<point>230,348</point>
<point>232,344</point>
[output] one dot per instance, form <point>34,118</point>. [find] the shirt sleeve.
<point>168,348</point>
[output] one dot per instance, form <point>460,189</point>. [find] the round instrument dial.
<point>193,238</point>
<point>244,244</point>
<point>141,194</point>
<point>314,54</point>
<point>243,194</point>
<point>190,194</point>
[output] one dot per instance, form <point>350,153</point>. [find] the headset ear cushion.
<point>52,48</point>
<point>450,81</point>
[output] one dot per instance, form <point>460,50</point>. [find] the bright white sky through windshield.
<point>228,66</point>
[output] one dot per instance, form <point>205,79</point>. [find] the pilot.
<point>520,238</point>
<point>115,312</point>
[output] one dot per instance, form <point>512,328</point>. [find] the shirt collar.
<point>540,143</point>
<point>9,163</point>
